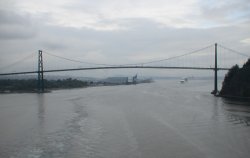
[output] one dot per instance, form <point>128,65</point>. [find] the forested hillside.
<point>237,81</point>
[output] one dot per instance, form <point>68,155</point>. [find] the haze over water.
<point>160,119</point>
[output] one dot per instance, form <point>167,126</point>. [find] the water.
<point>161,119</point>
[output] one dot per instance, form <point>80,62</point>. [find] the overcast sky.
<point>119,31</point>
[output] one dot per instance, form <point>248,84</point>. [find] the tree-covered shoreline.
<point>237,82</point>
<point>30,85</point>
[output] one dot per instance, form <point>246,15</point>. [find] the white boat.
<point>184,80</point>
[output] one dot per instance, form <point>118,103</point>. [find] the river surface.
<point>164,119</point>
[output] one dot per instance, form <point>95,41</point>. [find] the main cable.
<point>18,61</point>
<point>170,58</point>
<point>142,63</point>
<point>234,51</point>
<point>77,61</point>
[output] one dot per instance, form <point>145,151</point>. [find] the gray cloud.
<point>226,12</point>
<point>15,26</point>
<point>141,39</point>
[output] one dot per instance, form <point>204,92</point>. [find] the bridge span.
<point>144,65</point>
<point>113,67</point>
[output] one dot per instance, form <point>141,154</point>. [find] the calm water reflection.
<point>237,111</point>
<point>162,119</point>
<point>41,110</point>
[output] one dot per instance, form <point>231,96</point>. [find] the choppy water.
<point>161,119</point>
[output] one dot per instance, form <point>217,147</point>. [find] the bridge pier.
<point>215,91</point>
<point>40,80</point>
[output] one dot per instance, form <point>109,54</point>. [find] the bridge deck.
<point>114,67</point>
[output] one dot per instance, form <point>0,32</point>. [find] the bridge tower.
<point>215,91</point>
<point>40,81</point>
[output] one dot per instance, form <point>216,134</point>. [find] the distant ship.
<point>184,80</point>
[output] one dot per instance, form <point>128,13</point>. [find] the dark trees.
<point>237,81</point>
<point>30,85</point>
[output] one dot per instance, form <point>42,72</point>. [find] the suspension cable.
<point>174,57</point>
<point>18,61</point>
<point>234,51</point>
<point>77,61</point>
<point>154,61</point>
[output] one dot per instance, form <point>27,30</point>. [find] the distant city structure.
<point>121,81</point>
<point>134,79</point>
<point>115,80</point>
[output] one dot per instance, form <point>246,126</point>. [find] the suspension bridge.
<point>193,60</point>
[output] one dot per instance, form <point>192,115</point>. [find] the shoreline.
<point>234,98</point>
<point>53,89</point>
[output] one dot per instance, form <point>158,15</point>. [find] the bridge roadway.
<point>114,67</point>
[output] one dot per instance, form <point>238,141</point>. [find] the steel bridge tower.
<point>215,91</point>
<point>40,80</point>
